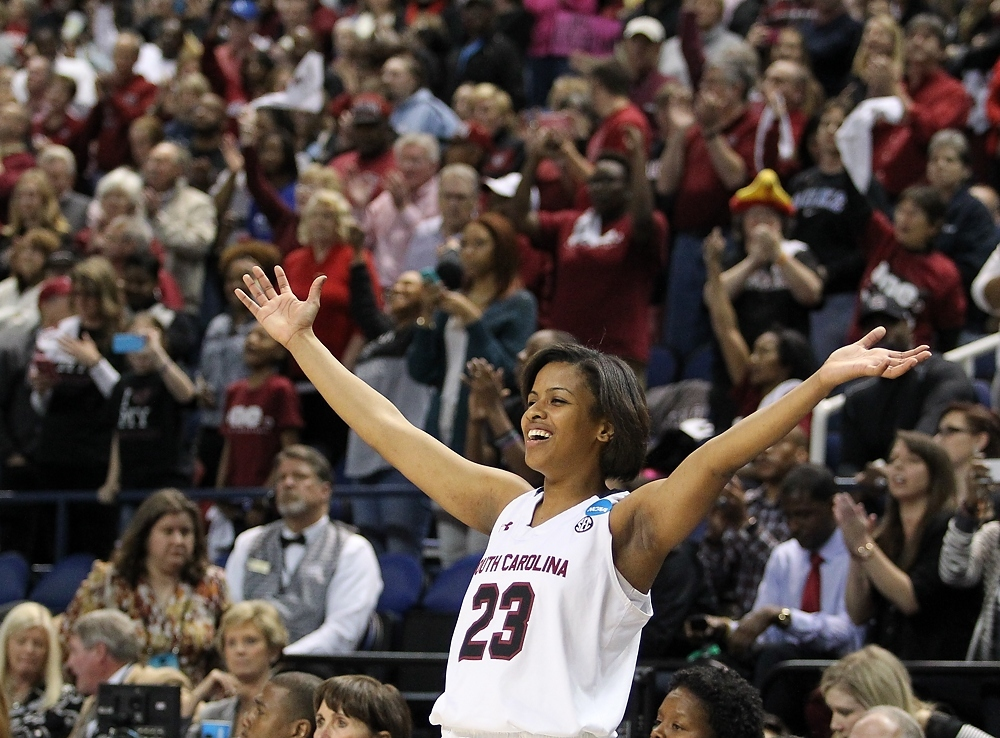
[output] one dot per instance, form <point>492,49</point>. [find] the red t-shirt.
<point>363,177</point>
<point>899,153</point>
<point>253,420</point>
<point>925,283</point>
<point>603,285</point>
<point>610,135</point>
<point>702,201</point>
<point>114,115</point>
<point>333,326</point>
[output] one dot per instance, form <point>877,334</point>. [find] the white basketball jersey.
<point>548,635</point>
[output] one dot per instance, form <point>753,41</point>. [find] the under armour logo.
<point>506,526</point>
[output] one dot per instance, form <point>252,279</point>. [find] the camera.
<point>138,711</point>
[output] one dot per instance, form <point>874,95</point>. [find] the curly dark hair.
<point>732,704</point>
<point>130,557</point>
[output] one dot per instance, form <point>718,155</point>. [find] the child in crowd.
<point>146,449</point>
<point>261,415</point>
<point>221,361</point>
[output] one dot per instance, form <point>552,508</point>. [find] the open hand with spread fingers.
<point>282,314</point>
<point>865,359</point>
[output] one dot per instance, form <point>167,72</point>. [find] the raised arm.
<point>472,493</point>
<point>722,315</point>
<point>647,524</point>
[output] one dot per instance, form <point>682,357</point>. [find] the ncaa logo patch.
<point>584,525</point>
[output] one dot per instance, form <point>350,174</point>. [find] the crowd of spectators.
<point>718,192</point>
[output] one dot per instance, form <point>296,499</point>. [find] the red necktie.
<point>811,590</point>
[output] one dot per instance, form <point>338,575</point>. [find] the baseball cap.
<point>368,108</point>
<point>764,190</point>
<point>645,26</point>
<point>54,287</point>
<point>245,9</point>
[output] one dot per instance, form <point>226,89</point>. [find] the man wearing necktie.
<point>800,611</point>
<point>323,577</point>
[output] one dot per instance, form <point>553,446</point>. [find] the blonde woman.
<point>327,229</point>
<point>33,204</point>
<point>40,704</point>
<point>872,677</point>
<point>493,109</point>
<point>881,42</point>
<point>245,163</point>
<point>250,638</point>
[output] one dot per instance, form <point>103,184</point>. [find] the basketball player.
<point>548,635</point>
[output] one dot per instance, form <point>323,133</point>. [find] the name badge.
<point>259,566</point>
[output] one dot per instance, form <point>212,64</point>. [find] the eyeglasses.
<point>950,430</point>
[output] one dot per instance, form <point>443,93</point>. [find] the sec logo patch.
<point>584,525</point>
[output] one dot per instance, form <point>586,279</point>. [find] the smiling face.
<point>846,711</point>
<point>909,477</point>
<point>246,652</point>
<point>170,543</point>
<point>27,652</point>
<point>559,425</point>
<point>681,714</point>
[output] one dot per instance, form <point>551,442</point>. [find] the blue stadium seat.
<point>447,590</point>
<point>404,581</point>
<point>56,589</point>
<point>982,388</point>
<point>662,366</point>
<point>14,572</point>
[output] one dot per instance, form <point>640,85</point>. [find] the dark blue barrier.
<point>128,500</point>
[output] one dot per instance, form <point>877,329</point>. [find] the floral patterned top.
<point>29,720</point>
<point>178,633</point>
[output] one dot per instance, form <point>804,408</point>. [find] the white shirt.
<point>350,598</point>
<point>830,629</point>
<point>548,634</point>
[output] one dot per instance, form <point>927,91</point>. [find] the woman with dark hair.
<point>490,317</point>
<point>276,157</point>
<point>576,556</point>
<point>780,359</point>
<point>361,705</point>
<point>160,576</point>
<point>968,432</point>
<point>710,701</point>
<point>893,581</point>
